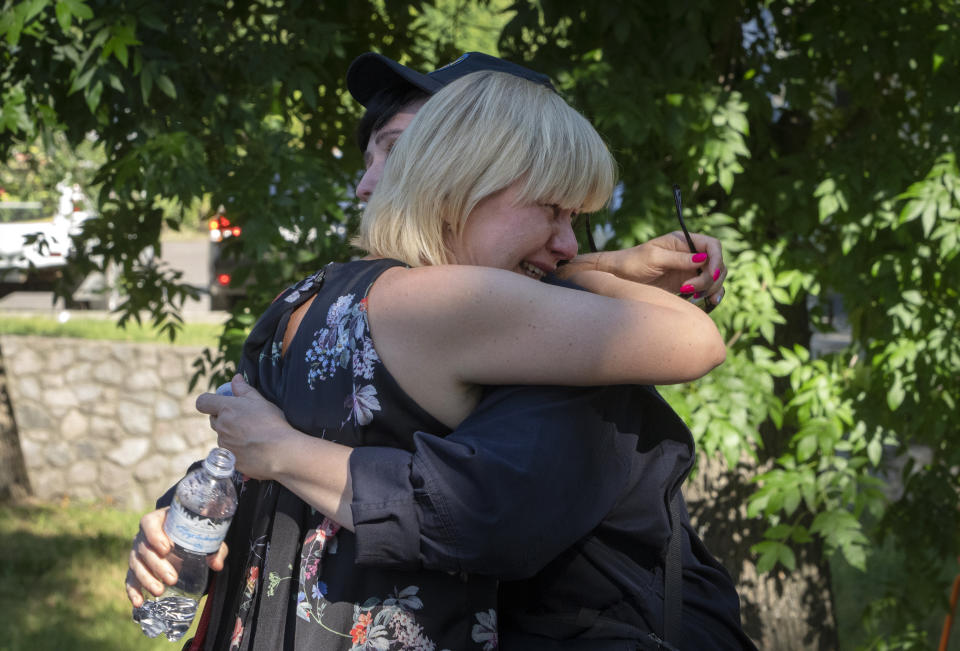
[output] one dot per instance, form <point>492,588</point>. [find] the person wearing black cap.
<point>510,444</point>
<point>595,582</point>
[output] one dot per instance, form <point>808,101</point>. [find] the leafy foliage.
<point>240,104</point>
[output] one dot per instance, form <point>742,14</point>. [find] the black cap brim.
<point>370,72</point>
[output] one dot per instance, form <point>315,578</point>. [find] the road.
<point>191,256</point>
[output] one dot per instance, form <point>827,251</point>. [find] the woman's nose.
<point>565,241</point>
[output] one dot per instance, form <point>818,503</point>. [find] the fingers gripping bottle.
<point>197,522</point>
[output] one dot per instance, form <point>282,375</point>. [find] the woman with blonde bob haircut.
<point>474,139</point>
<point>474,210</point>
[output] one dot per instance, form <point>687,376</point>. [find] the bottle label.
<point>193,531</point>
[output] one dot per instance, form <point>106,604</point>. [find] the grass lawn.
<point>192,334</point>
<point>62,568</point>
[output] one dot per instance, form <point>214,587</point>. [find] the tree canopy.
<point>817,140</point>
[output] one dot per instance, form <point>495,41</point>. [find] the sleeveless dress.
<point>291,581</point>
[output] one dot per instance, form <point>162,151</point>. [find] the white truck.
<point>33,252</point>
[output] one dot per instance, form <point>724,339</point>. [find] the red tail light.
<point>221,229</point>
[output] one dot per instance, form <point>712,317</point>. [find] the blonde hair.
<point>475,137</point>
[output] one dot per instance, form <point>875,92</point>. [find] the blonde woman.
<point>367,353</point>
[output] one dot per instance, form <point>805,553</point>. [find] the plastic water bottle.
<point>197,523</point>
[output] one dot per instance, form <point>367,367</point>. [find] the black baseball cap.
<point>371,72</point>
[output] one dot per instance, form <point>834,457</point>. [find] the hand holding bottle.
<point>195,526</point>
<point>150,569</point>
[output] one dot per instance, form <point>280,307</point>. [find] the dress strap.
<point>267,326</point>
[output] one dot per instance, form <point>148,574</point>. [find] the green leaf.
<point>146,83</point>
<point>778,532</point>
<point>166,85</point>
<point>64,15</point>
<point>913,297</point>
<point>856,555</point>
<point>929,218</point>
<point>81,82</point>
<point>771,552</point>
<point>895,395</point>
<point>875,451</point>
<point>12,25</point>
<point>791,500</point>
<point>92,96</point>
<point>780,295</point>
<point>77,8</point>
<point>121,53</point>
<point>828,206</point>
<point>807,447</point>
<point>787,558</point>
<point>766,329</point>
<point>768,552</point>
<point>725,178</point>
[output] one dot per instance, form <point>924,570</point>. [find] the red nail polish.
<point>700,257</point>
<point>716,274</point>
<point>686,289</point>
<point>697,295</point>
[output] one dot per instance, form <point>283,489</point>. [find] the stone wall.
<point>104,420</point>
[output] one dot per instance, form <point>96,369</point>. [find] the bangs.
<point>475,137</point>
<point>570,166</point>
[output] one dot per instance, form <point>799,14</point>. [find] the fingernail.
<point>700,257</point>
<point>686,289</point>
<point>716,273</point>
<point>697,295</point>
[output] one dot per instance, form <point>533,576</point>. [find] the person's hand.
<point>666,262</point>
<point>248,425</point>
<point>150,563</point>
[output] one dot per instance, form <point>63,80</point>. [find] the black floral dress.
<point>291,581</point>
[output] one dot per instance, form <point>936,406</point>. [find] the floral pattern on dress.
<point>389,624</point>
<point>346,344</point>
<point>276,352</point>
<point>485,630</point>
<point>302,577</point>
<point>237,636</point>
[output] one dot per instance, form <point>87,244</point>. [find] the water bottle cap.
<point>220,462</point>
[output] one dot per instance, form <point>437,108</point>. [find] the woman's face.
<point>379,146</point>
<point>530,239</point>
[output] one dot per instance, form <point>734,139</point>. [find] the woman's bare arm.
<point>266,446</point>
<point>442,330</point>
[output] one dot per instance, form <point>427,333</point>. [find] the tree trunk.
<point>780,610</point>
<point>14,484</point>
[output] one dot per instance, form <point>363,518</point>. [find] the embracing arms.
<point>441,330</point>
